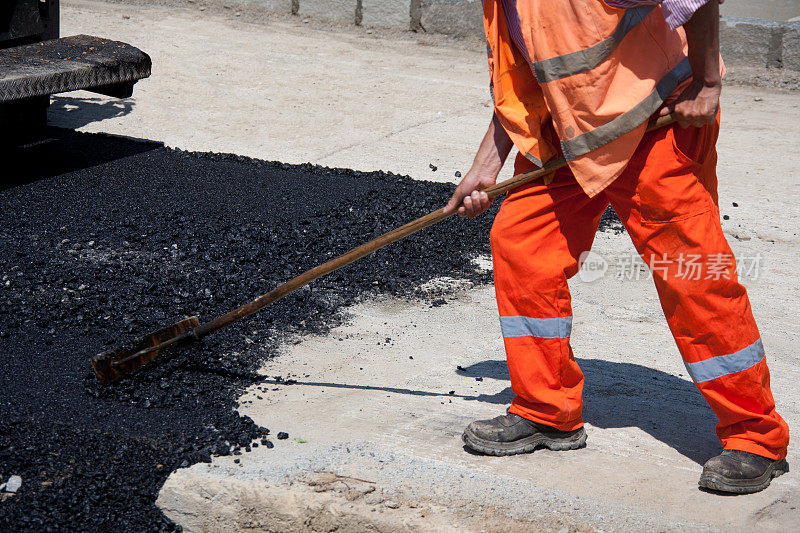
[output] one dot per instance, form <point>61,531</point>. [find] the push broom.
<point>115,364</point>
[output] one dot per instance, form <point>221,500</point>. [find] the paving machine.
<point>35,64</point>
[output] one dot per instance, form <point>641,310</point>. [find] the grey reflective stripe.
<point>628,121</point>
<point>535,160</point>
<point>567,65</point>
<point>725,365</point>
<point>542,328</point>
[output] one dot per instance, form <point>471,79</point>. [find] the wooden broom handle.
<point>379,242</point>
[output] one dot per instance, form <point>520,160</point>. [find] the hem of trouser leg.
<point>752,447</point>
<point>560,426</point>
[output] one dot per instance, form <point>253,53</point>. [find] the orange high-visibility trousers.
<point>667,200</point>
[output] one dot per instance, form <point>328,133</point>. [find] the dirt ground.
<point>377,423</point>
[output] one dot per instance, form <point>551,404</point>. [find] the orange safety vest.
<point>597,71</point>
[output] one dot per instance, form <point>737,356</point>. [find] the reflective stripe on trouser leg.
<point>667,201</point>
<point>720,366</point>
<point>542,328</point>
<point>535,249</point>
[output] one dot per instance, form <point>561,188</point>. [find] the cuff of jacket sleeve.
<point>678,12</point>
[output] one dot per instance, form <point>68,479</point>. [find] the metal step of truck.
<point>69,64</point>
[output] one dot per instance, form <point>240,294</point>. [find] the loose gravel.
<point>105,238</point>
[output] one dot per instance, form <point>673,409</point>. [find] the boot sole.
<point>720,483</point>
<point>526,445</point>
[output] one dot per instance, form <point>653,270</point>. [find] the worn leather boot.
<point>740,472</point>
<point>511,434</point>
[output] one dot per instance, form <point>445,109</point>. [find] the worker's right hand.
<point>468,198</point>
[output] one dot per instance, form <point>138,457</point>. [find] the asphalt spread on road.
<point>105,238</point>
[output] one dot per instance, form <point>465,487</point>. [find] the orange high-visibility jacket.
<point>597,71</point>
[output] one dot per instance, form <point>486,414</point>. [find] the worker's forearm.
<point>494,149</point>
<point>702,33</point>
<point>698,105</point>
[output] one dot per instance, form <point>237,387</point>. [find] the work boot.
<point>740,472</point>
<point>511,434</point>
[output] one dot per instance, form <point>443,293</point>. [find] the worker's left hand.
<point>696,106</point>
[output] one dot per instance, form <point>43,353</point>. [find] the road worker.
<point>582,79</point>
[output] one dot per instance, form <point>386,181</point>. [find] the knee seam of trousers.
<point>542,328</point>
<point>725,365</point>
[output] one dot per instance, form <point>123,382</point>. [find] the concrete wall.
<point>392,14</point>
<point>782,10</point>
<point>760,42</point>
<point>333,10</point>
<point>379,13</point>
<point>747,41</point>
<point>790,53</point>
<point>459,18</point>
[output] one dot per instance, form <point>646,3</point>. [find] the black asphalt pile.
<point>102,239</point>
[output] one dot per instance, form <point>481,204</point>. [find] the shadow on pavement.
<point>75,112</point>
<point>618,395</point>
<point>500,398</point>
<point>62,150</point>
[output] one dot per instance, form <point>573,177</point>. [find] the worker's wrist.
<point>486,169</point>
<point>706,71</point>
<point>709,82</point>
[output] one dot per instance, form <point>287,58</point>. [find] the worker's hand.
<point>468,198</point>
<point>696,106</point>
